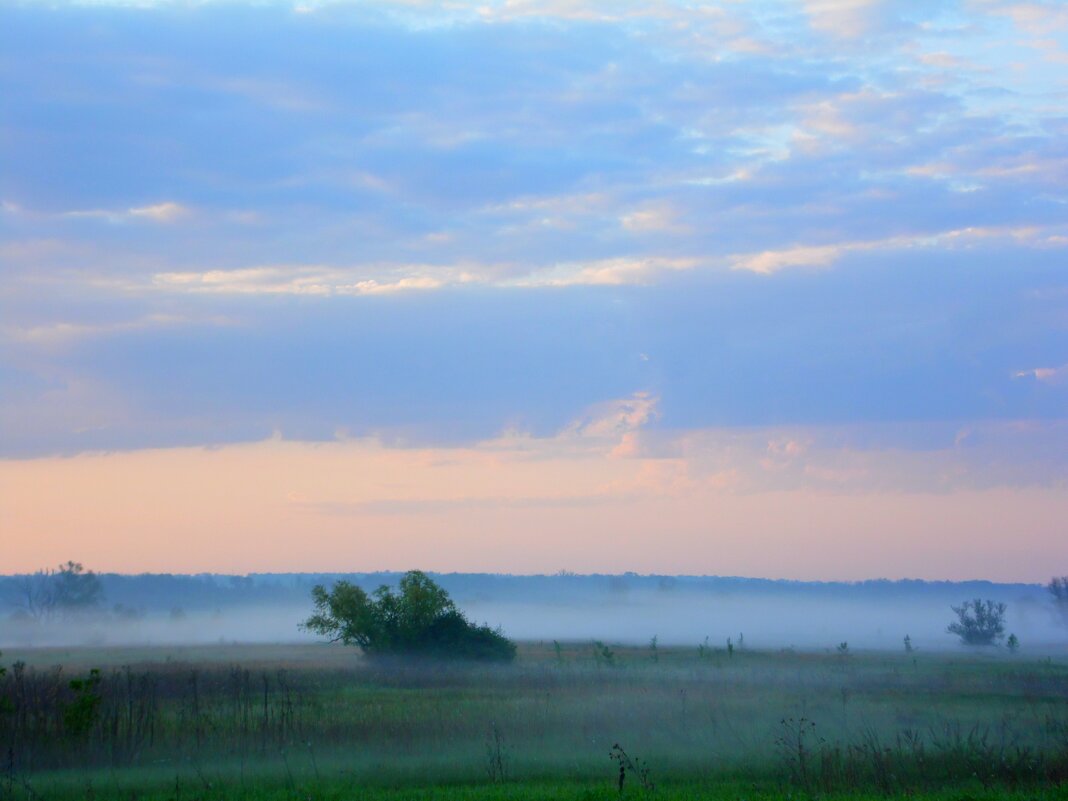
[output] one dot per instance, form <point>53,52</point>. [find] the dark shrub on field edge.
<point>419,620</point>
<point>979,622</point>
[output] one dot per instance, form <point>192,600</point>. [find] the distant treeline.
<point>169,592</point>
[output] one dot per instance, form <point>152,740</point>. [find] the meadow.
<point>565,721</point>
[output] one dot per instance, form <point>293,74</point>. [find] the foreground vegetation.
<point>293,722</point>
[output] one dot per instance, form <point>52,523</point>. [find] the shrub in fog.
<point>602,654</point>
<point>1058,588</point>
<point>419,620</point>
<point>979,622</point>
<point>704,649</point>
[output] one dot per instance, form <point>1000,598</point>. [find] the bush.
<point>979,622</point>
<point>421,620</point>
<point>83,713</point>
<point>1058,588</point>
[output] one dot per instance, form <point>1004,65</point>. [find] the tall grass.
<point>817,723</point>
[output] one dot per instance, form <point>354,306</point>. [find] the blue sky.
<point>436,224</point>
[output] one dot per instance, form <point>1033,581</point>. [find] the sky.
<point>755,288</point>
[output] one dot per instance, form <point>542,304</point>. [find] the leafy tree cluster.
<point>417,620</point>
<point>979,622</point>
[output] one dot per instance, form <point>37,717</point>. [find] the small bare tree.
<point>33,596</point>
<point>68,590</point>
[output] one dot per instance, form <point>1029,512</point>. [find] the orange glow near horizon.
<point>517,506</point>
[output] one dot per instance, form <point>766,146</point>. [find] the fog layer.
<point>783,619</point>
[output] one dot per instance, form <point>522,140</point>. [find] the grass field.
<point>318,722</point>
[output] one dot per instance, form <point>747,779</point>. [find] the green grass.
<point>309,721</point>
<point>341,790</point>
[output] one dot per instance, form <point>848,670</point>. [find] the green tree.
<point>979,622</point>
<point>83,713</point>
<point>418,619</point>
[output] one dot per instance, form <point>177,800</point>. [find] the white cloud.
<point>606,272</point>
<point>297,280</point>
<point>818,256</point>
<point>1045,375</point>
<point>616,418</point>
<point>62,332</point>
<point>659,218</point>
<point>160,212</point>
<point>844,18</point>
<point>1037,19</point>
<point>164,212</point>
<point>770,261</point>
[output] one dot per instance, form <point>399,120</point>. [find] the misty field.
<point>318,722</point>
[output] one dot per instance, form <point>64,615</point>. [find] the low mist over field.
<point>628,609</point>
